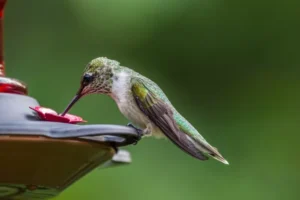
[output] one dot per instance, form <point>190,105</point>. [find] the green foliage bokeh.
<point>230,67</point>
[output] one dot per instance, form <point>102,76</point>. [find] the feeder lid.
<point>18,119</point>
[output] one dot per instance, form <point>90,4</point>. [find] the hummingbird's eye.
<point>87,78</point>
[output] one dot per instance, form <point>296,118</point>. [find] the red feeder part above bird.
<point>7,85</point>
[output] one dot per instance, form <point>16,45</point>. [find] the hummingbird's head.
<point>97,78</point>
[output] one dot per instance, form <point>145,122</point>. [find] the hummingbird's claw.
<point>115,148</point>
<point>139,132</point>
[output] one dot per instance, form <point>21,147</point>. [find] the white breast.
<point>120,87</point>
<point>121,93</point>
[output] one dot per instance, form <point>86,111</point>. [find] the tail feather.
<point>220,158</point>
<point>203,146</point>
<point>199,149</point>
<point>214,153</point>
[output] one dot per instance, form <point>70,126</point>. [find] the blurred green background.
<point>230,67</point>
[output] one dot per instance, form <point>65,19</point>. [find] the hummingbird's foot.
<point>140,132</point>
<point>115,148</point>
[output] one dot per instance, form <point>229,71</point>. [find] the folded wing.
<point>161,115</point>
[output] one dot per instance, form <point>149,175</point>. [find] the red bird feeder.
<point>50,152</point>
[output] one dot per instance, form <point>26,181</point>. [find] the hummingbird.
<point>144,104</point>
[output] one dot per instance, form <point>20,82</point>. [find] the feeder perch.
<point>39,159</point>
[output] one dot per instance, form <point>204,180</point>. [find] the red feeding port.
<point>48,114</point>
<point>7,85</point>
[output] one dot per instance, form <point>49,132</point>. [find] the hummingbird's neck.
<point>121,85</point>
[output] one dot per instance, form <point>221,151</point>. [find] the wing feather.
<point>161,115</point>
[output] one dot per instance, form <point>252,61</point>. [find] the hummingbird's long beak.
<point>74,100</point>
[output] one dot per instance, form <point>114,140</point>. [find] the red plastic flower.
<point>48,114</point>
